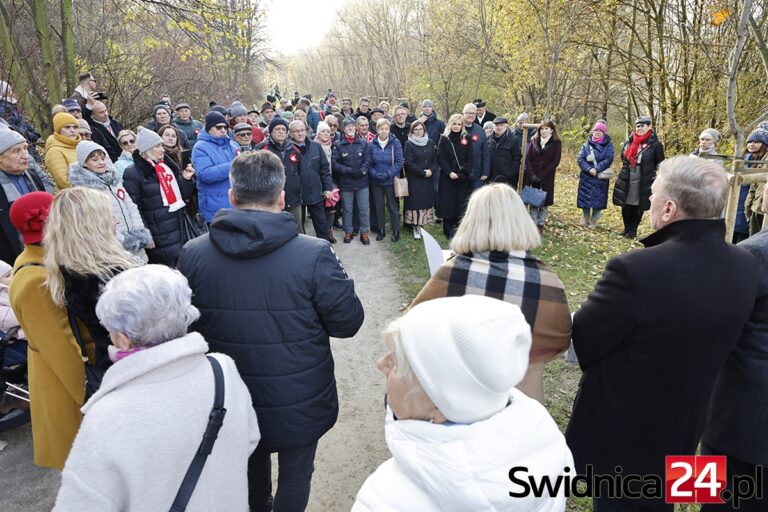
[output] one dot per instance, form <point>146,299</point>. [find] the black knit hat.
<point>213,118</point>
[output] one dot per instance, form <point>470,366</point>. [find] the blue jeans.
<point>294,477</point>
<point>363,209</point>
<point>539,215</point>
<point>592,212</point>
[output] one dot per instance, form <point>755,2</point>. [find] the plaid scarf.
<point>518,278</point>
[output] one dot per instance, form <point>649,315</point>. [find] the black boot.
<point>395,236</point>
<point>381,236</point>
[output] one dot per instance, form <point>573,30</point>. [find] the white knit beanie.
<point>322,125</point>
<point>146,139</point>
<point>467,353</point>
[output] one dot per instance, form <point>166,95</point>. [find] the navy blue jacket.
<point>593,192</point>
<point>291,158</point>
<point>480,164</point>
<point>351,163</point>
<point>435,128</point>
<point>386,162</point>
<point>315,172</point>
<point>270,299</point>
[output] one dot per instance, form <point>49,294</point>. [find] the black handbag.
<point>215,420</point>
<point>93,374</point>
<point>192,226</point>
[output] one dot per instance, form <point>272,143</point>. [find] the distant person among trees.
<point>420,165</point>
<point>11,112</point>
<point>86,86</point>
<point>595,157</point>
<point>519,131</point>
<point>641,155</point>
<point>541,162</point>
<point>105,127</point>
<point>753,203</point>
<point>707,142</point>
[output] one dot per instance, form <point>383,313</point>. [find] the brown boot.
<point>364,239</point>
<point>347,238</point>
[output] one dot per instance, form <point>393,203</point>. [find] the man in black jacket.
<point>105,127</point>
<point>316,182</point>
<point>656,330</point>
<point>270,299</point>
<point>16,179</point>
<point>504,154</point>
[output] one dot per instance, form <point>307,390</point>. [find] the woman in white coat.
<point>455,423</point>
<point>144,425</point>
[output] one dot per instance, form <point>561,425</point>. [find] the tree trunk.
<point>68,44</point>
<point>44,39</point>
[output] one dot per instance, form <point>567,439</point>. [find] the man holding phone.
<point>84,90</point>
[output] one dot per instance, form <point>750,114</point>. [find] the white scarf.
<point>164,172</point>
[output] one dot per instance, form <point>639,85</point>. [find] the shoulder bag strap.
<point>215,420</point>
<point>78,335</point>
<point>454,154</point>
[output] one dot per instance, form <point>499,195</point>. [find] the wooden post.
<point>734,186</point>
<point>526,127</point>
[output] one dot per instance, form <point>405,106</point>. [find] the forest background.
<point>573,60</point>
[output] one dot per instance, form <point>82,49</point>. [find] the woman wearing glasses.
<point>211,157</point>
<point>127,141</point>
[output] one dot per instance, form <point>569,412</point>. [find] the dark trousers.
<point>295,467</point>
<point>319,222</point>
<point>631,215</point>
<point>449,227</point>
<point>741,468</point>
<point>380,195</point>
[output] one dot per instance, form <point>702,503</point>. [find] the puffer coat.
<point>593,192</point>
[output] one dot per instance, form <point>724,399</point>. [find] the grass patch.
<point>577,255</point>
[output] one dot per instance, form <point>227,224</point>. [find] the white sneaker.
<point>584,222</point>
<point>417,233</point>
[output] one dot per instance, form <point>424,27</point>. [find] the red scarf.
<point>168,186</point>
<point>634,147</point>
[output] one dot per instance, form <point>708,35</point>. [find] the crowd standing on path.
<point>182,237</point>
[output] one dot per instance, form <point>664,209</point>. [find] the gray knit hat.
<point>9,138</point>
<point>712,133</point>
<point>522,117</point>
<point>85,148</point>
<point>644,120</point>
<point>238,109</point>
<point>146,139</point>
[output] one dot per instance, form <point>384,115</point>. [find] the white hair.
<point>698,186</point>
<point>150,305</point>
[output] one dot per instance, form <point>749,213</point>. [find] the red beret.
<point>28,214</point>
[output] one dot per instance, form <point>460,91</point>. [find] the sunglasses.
<point>221,127</point>
<point>128,142</point>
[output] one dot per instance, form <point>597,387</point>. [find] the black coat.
<point>351,163</point>
<point>140,181</point>
<point>315,173</point>
<point>291,158</point>
<point>740,398</point>
<point>489,116</point>
<point>100,135</point>
<point>452,194</point>
<point>417,160</point>
<point>82,293</point>
<point>650,156</point>
<point>270,299</point>
<point>10,242</point>
<point>504,155</point>
<point>540,167</point>
<point>400,133</point>
<point>651,339</point>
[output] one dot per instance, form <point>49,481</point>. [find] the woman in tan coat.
<point>60,153</point>
<point>492,246</point>
<point>56,372</point>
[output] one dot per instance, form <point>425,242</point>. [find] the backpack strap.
<point>215,420</point>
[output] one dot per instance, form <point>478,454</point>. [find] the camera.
<point>100,96</point>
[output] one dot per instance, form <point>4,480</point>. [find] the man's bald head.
<point>100,112</point>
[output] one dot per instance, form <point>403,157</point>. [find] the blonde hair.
<point>382,122</point>
<point>58,109</point>
<point>496,220</point>
<point>79,234</point>
<point>124,133</point>
<point>453,119</point>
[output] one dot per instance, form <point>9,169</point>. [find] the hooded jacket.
<point>59,155</point>
<point>456,467</point>
<point>211,158</point>
<point>126,438</point>
<point>270,299</point>
<point>130,229</point>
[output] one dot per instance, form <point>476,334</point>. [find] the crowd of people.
<point>126,239</point>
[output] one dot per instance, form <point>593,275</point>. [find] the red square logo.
<point>695,479</point>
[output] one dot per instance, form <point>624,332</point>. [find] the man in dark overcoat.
<point>656,330</point>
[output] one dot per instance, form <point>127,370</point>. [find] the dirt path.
<point>347,454</point>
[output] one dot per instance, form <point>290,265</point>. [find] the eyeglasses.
<point>299,130</point>
<point>128,142</point>
<point>221,127</point>
<point>242,134</point>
